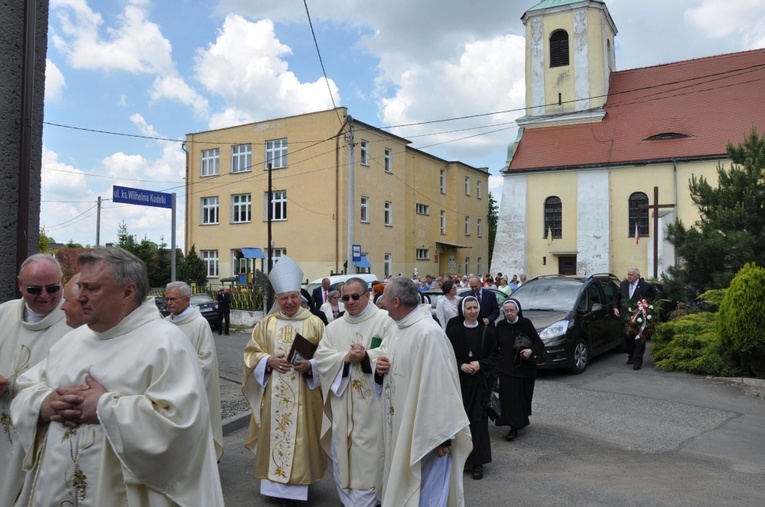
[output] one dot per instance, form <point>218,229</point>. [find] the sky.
<point>126,80</point>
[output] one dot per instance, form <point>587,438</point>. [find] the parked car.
<point>574,316</point>
<point>161,305</point>
<point>207,307</point>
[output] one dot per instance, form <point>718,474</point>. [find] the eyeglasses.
<point>50,289</point>
<point>355,297</point>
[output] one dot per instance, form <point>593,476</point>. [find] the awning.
<point>251,253</point>
<point>451,245</point>
<point>363,263</point>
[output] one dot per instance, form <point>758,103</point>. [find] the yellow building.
<point>411,210</point>
<point>596,144</point>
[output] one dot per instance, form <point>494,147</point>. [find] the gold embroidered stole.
<point>285,397</point>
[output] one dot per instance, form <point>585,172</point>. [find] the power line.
<point>321,62</point>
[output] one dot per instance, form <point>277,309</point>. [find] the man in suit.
<point>321,294</point>
<point>224,309</point>
<point>487,301</point>
<point>632,289</point>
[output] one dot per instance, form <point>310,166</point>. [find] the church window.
<point>559,48</point>
<point>553,218</point>
<point>637,216</point>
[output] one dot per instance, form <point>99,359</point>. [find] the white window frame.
<point>422,254</point>
<point>467,185</point>
<point>478,191</point>
<point>210,210</point>
<point>467,265</point>
<point>478,227</point>
<point>364,152</point>
<point>388,160</point>
<point>210,162</point>
<point>467,226</point>
<point>210,258</point>
<point>364,214</point>
<point>422,209</point>
<point>388,263</point>
<point>442,181</point>
<point>276,153</point>
<point>388,214</point>
<point>241,158</point>
<point>443,222</point>
<point>241,203</point>
<point>478,266</point>
<point>278,205</point>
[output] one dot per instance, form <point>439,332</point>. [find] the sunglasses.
<point>355,297</point>
<point>50,289</point>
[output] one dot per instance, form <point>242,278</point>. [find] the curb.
<point>235,422</point>
<point>752,385</point>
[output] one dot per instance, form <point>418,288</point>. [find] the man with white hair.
<point>354,417</point>
<point>426,433</point>
<point>285,429</point>
<point>197,330</point>
<point>72,309</point>
<point>116,413</point>
<point>30,326</point>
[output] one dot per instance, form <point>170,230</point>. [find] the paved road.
<point>609,437</point>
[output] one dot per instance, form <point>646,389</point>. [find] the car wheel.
<point>579,357</point>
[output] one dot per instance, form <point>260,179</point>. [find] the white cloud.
<point>174,87</point>
<point>247,63</point>
<point>54,81</point>
<point>716,19</point>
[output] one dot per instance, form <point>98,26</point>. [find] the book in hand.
<point>301,349</point>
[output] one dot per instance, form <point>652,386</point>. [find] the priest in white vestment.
<point>426,433</point>
<point>284,396</point>
<point>353,413</point>
<point>197,330</point>
<point>116,414</point>
<point>28,328</point>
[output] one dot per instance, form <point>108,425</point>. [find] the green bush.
<point>741,319</point>
<point>690,344</point>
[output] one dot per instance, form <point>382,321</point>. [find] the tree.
<point>192,269</point>
<point>731,229</point>
<point>493,219</point>
<point>44,242</point>
<point>156,257</point>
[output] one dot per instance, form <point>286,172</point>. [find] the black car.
<point>161,306</point>
<point>207,307</point>
<point>574,316</point>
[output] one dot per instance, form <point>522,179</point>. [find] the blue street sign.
<point>142,197</point>
<point>356,254</point>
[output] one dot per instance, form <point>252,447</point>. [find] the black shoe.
<point>512,434</point>
<point>636,367</point>
<point>478,472</point>
<point>226,334</point>
<point>629,361</point>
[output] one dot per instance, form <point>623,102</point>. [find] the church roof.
<point>682,110</point>
<point>547,4</point>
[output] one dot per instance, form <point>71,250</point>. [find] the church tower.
<point>569,60</point>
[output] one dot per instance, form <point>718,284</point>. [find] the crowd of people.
<point>104,402</point>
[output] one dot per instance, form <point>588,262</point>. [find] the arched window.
<point>638,216</point>
<point>553,218</point>
<point>559,48</point>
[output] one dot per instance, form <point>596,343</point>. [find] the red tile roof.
<point>713,100</point>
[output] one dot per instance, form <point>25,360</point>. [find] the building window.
<point>364,147</point>
<point>388,213</point>
<point>559,48</point>
<point>467,226</point>
<point>478,266</point>
<point>210,162</point>
<point>443,222</point>
<point>638,216</point>
<point>478,192</point>
<point>467,185</point>
<point>210,210</point>
<point>553,218</point>
<point>276,154</point>
<point>478,227</point>
<point>241,158</point>
<point>278,205</point>
<point>388,160</point>
<point>241,208</point>
<point>388,265</point>
<point>364,209</point>
<point>210,258</point>
<point>422,209</point>
<point>442,181</point>
<point>423,254</point>
<point>467,265</point>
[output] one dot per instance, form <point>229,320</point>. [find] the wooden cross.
<point>655,207</point>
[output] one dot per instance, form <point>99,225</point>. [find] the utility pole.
<point>351,199</point>
<point>269,291</point>
<point>98,223</point>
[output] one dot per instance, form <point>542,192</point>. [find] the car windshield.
<point>200,299</point>
<point>548,294</point>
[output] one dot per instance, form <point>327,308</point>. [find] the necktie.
<point>326,298</point>
<point>478,297</point>
<point>632,289</point>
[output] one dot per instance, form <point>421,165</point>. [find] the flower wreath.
<point>642,322</point>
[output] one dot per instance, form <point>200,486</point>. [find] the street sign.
<point>356,253</point>
<point>141,197</point>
